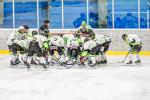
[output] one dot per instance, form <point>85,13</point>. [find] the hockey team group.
<point>84,47</point>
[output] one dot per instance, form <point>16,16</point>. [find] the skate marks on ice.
<point>110,82</point>
<point>112,63</point>
<point>20,69</point>
<point>101,84</point>
<point>115,61</point>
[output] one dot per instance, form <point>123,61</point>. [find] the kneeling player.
<point>97,49</point>
<point>102,45</point>
<point>17,42</point>
<point>57,48</point>
<point>87,53</point>
<point>73,45</point>
<point>35,49</point>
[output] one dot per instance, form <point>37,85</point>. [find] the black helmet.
<point>46,21</point>
<point>124,36</point>
<point>34,32</point>
<point>26,26</point>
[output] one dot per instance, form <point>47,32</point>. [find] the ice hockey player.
<point>72,43</point>
<point>87,55</point>
<point>85,29</point>
<point>17,43</point>
<point>135,45</point>
<point>102,45</point>
<point>80,40</point>
<point>44,27</point>
<point>35,48</point>
<point>97,49</point>
<point>57,49</point>
<point>46,46</point>
<point>67,38</point>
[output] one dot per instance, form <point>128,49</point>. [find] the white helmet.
<point>20,28</point>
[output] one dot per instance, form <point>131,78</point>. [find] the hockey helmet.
<point>124,36</point>
<point>46,21</point>
<point>83,23</point>
<point>34,32</point>
<point>26,26</point>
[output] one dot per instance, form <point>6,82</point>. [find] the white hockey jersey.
<point>89,45</point>
<point>21,39</point>
<point>40,39</point>
<point>133,39</point>
<point>57,41</point>
<point>100,39</point>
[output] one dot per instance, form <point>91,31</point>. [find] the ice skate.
<point>44,66</point>
<point>105,62</point>
<point>11,63</point>
<point>129,63</point>
<point>138,62</point>
<point>14,63</point>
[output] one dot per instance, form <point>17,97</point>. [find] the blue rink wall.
<point>75,11</point>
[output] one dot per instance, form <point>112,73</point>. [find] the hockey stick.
<point>71,65</point>
<point>125,58</point>
<point>126,55</point>
<point>57,60</point>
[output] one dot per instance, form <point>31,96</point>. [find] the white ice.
<point>111,82</point>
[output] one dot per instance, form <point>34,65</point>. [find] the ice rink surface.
<point>111,82</point>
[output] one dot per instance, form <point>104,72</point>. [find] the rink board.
<point>117,46</point>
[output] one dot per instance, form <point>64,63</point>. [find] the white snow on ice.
<point>111,82</point>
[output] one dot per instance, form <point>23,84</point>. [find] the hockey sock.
<point>137,57</point>
<point>22,57</point>
<point>29,60</point>
<point>62,57</point>
<point>131,57</point>
<point>49,58</point>
<point>104,57</point>
<point>34,59</point>
<point>42,60</point>
<point>93,59</point>
<point>98,58</point>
